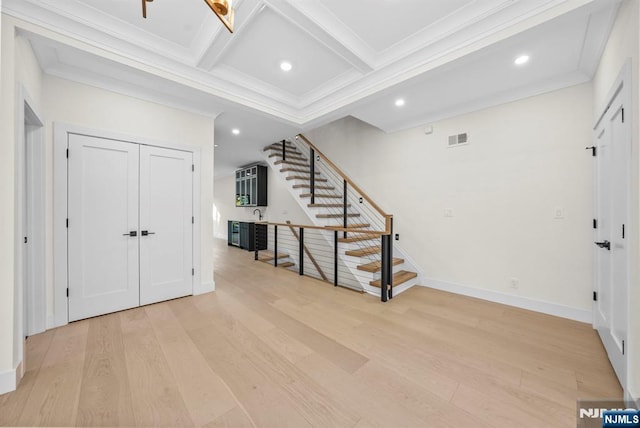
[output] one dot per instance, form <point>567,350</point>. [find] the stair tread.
<point>364,251</point>
<point>351,215</point>
<point>288,169</point>
<point>377,265</point>
<point>358,238</point>
<point>353,226</point>
<point>289,157</point>
<point>308,195</point>
<point>398,278</point>
<point>306,178</point>
<point>291,150</point>
<point>327,205</point>
<point>358,225</point>
<point>291,162</point>
<point>308,186</point>
<point>267,256</point>
<point>286,264</point>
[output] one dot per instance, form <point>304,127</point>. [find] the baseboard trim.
<point>50,322</point>
<point>8,381</point>
<point>205,287</point>
<point>630,401</point>
<point>549,308</point>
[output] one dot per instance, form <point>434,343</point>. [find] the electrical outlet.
<point>448,212</point>
<point>361,200</point>
<point>558,213</point>
<point>514,283</point>
<point>397,236</point>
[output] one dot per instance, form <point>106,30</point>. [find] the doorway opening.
<point>30,295</point>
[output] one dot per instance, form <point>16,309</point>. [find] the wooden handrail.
<point>306,250</point>
<point>344,176</point>
<point>332,228</point>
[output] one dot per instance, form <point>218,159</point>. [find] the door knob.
<point>132,233</point>
<point>604,244</point>
<point>146,232</point>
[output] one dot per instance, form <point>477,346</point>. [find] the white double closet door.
<point>130,225</point>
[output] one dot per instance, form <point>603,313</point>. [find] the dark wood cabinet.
<point>247,235</point>
<point>251,186</point>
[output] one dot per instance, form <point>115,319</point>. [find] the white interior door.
<point>103,226</point>
<point>613,150</point>
<point>166,195</point>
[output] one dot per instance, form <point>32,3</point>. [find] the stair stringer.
<point>350,262</point>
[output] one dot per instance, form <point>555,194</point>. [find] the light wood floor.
<point>271,349</point>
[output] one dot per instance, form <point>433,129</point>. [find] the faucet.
<point>259,214</point>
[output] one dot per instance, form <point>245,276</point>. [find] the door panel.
<point>166,259</point>
<point>103,209</point>
<point>612,210</point>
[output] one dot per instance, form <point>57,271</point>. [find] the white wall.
<point>7,205</point>
<point>524,159</point>
<point>281,205</point>
<point>19,70</point>
<point>623,44</point>
<point>77,104</point>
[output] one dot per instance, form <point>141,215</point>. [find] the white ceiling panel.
<point>179,25</point>
<point>383,23</point>
<point>349,57</point>
<point>484,77</point>
<point>271,39</point>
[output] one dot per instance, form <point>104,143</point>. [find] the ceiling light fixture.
<point>399,102</point>
<point>224,11</point>
<point>285,66</point>
<point>521,60</point>
<point>144,8</point>
<point>235,131</point>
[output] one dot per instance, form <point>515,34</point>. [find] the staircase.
<point>333,201</point>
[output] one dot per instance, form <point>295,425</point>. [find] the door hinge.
<point>67,223</point>
<point>623,347</point>
<point>193,167</point>
<point>595,296</point>
<point>593,150</point>
<point>193,271</point>
<point>67,291</point>
<point>67,153</point>
<point>193,220</point>
<point>623,115</point>
<point>623,231</point>
<point>595,223</point>
<point>26,240</point>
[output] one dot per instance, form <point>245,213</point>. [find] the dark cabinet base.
<point>251,235</point>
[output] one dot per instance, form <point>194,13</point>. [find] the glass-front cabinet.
<point>251,186</point>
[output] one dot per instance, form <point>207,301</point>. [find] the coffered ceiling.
<point>354,57</point>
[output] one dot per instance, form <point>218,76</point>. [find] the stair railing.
<point>308,250</point>
<point>314,155</point>
<point>368,218</point>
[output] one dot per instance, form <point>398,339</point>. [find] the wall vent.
<point>458,140</point>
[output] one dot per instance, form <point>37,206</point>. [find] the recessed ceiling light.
<point>285,66</point>
<point>235,131</point>
<point>522,60</point>
<point>399,102</point>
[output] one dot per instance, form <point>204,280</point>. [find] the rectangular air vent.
<point>458,140</point>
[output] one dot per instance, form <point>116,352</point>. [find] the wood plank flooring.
<point>272,349</point>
